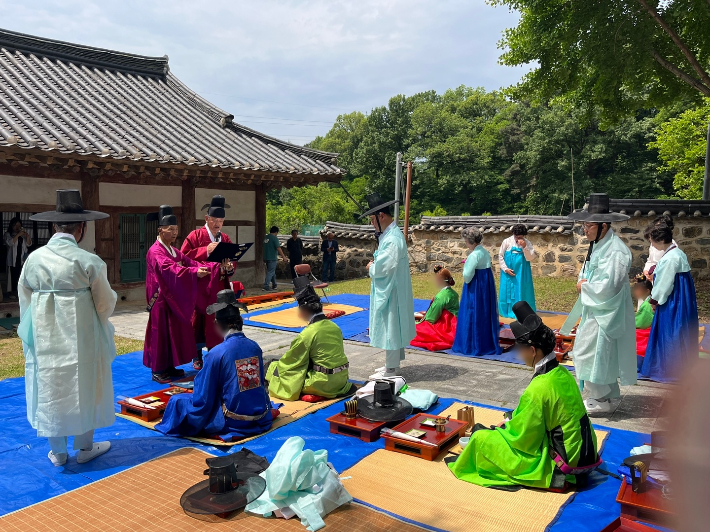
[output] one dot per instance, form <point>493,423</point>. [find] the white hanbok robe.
<point>391,301</point>
<point>65,304</point>
<point>605,346</point>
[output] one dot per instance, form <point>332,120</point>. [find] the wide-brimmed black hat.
<point>226,305</point>
<point>216,207</point>
<point>384,405</point>
<point>227,490</point>
<point>527,322</point>
<point>303,291</point>
<point>69,210</point>
<point>597,210</point>
<point>376,204</point>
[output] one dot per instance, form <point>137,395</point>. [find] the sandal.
<point>162,378</point>
<point>197,363</point>
<point>310,398</point>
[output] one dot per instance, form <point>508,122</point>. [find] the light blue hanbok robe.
<point>605,346</point>
<point>65,303</point>
<point>391,301</point>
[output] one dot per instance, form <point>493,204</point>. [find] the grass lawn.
<point>12,361</point>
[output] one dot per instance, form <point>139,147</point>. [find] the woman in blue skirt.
<point>673,340</point>
<point>478,328</point>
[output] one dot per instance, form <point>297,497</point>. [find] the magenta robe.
<point>195,247</point>
<point>168,338</point>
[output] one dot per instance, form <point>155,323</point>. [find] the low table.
<point>151,414</point>
<point>453,430</point>
<point>649,506</point>
<point>358,427</point>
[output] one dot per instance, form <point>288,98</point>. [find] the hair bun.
<point>438,268</point>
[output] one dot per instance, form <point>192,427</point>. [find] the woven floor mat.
<point>147,498</point>
<point>289,317</point>
<point>289,412</point>
<point>452,504</point>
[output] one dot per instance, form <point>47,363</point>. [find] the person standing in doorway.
<point>67,338</point>
<point>272,250</point>
<point>294,246</point>
<point>329,247</point>
<point>18,241</point>
<point>392,324</point>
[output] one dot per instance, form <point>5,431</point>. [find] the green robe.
<point>445,299</point>
<point>517,453</point>
<point>644,315</point>
<point>320,343</point>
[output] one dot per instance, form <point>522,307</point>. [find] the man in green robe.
<point>316,364</point>
<point>547,433</point>
<point>392,324</point>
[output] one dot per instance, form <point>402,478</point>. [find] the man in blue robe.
<point>229,399</point>
<point>392,324</point>
<point>65,303</point>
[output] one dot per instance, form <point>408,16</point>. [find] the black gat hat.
<point>69,210</point>
<point>376,204</point>
<point>226,306</point>
<point>597,210</point>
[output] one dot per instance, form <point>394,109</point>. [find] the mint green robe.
<point>320,343</point>
<point>392,324</point>
<point>517,453</point>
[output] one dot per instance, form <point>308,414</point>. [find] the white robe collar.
<point>209,233</point>
<point>169,249</point>
<point>68,236</point>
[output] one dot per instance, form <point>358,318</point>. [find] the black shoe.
<point>175,373</point>
<point>162,378</point>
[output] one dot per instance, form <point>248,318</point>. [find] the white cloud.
<point>299,60</point>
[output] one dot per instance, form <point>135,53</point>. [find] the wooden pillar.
<point>91,201</point>
<point>260,233</point>
<point>188,221</point>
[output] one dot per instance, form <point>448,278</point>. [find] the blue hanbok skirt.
<point>673,341</point>
<point>518,287</point>
<point>478,328</point>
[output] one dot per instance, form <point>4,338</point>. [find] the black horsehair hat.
<point>226,306</point>
<point>216,207</point>
<point>69,210</point>
<point>377,204</point>
<point>164,216</point>
<point>597,210</point>
<point>384,405</point>
<point>303,291</point>
<point>527,323</point>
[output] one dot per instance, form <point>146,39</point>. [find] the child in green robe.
<point>315,366</point>
<point>550,421</point>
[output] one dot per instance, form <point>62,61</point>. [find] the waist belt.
<point>152,300</point>
<point>239,417</point>
<point>326,371</point>
<point>568,469</point>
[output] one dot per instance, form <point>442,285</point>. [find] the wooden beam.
<point>260,233</point>
<point>91,202</point>
<point>188,221</point>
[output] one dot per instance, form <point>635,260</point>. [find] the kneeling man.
<point>316,363</point>
<point>229,398</point>
<point>549,440</point>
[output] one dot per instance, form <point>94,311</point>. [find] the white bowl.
<point>463,442</point>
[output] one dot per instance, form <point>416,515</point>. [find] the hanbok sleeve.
<point>644,316</point>
<point>469,268</point>
<point>664,280</point>
<point>386,261</point>
<point>191,248</point>
<point>103,295</point>
<point>24,293</point>
<point>435,309</point>
<point>525,431</point>
<point>207,391</point>
<point>596,294</point>
<point>292,368</point>
<point>501,254</point>
<point>178,284</point>
<point>529,251</point>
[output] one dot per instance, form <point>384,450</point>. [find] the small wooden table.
<point>151,414</point>
<point>357,427</point>
<point>453,430</point>
<point>622,524</point>
<point>649,506</point>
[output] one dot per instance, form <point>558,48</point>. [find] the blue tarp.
<point>27,476</point>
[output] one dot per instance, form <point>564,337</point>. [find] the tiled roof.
<point>496,224</point>
<point>654,207</point>
<point>349,230</point>
<point>310,243</point>
<point>72,100</point>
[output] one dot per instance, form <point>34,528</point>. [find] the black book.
<point>233,252</point>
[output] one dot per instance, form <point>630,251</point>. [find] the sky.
<point>289,68</point>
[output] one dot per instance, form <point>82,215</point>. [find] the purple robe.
<point>169,341</point>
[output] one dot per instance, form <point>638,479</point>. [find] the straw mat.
<point>289,317</point>
<point>289,412</point>
<point>428,493</point>
<point>147,498</point>
<point>553,321</point>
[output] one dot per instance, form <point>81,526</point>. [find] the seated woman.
<point>516,283</point>
<point>229,398</point>
<point>673,340</point>
<point>477,327</point>
<point>315,366</point>
<point>644,315</point>
<point>548,440</point>
<point>437,327</point>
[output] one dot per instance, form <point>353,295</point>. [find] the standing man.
<point>294,246</point>
<point>329,247</point>
<point>198,245</point>
<point>391,301</point>
<point>605,347</point>
<point>272,250</point>
<point>18,242</point>
<point>65,303</point>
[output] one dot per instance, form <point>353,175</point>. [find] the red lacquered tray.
<point>151,414</point>
<point>453,430</point>
<point>358,427</point>
<point>649,506</point>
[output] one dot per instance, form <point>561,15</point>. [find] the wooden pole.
<point>407,201</point>
<point>260,234</point>
<point>188,218</point>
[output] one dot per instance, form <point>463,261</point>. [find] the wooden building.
<point>124,130</point>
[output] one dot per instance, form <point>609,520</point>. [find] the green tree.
<point>619,55</point>
<point>681,145</point>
